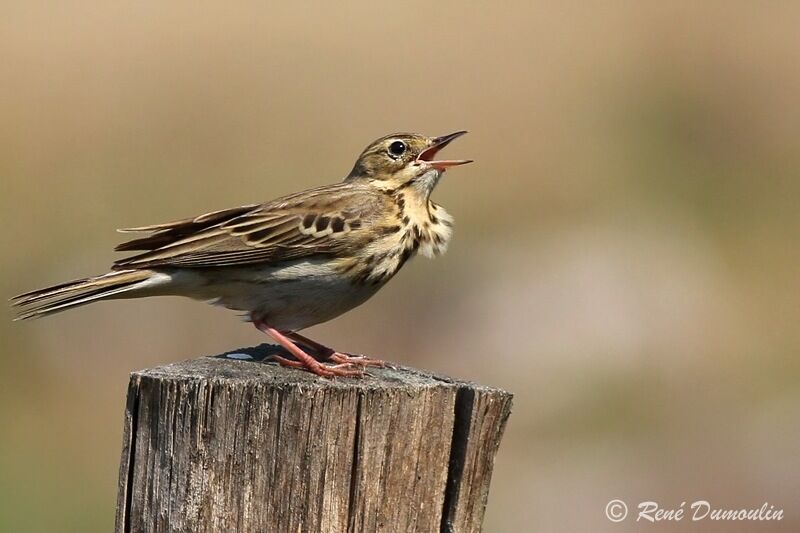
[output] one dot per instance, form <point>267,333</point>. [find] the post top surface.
<point>253,366</point>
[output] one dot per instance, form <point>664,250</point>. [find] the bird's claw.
<point>357,360</point>
<point>321,369</point>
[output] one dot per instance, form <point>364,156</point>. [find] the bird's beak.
<point>429,153</point>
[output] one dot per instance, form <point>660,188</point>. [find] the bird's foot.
<point>302,359</point>
<point>321,369</point>
<point>353,359</point>
<point>325,353</point>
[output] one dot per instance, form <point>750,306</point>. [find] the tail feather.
<point>64,296</point>
<point>51,292</point>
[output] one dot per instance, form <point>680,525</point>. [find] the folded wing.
<point>321,221</point>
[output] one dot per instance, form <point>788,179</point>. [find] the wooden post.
<point>231,443</point>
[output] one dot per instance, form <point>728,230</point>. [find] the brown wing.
<point>170,232</point>
<point>317,222</point>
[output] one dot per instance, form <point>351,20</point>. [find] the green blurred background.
<point>626,249</point>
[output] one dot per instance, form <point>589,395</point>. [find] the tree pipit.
<point>293,262</point>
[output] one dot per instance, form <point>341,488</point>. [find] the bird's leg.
<point>303,359</point>
<point>332,355</point>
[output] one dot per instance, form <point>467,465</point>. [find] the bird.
<point>290,263</point>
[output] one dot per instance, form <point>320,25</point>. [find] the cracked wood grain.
<point>224,444</point>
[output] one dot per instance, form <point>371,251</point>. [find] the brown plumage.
<point>290,263</point>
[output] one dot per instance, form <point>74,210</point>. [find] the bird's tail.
<point>71,294</point>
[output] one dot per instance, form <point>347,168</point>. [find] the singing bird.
<point>291,263</point>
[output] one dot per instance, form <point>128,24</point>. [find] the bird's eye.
<point>397,148</point>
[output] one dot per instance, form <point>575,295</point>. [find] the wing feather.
<point>322,221</point>
<point>165,234</point>
<point>212,218</point>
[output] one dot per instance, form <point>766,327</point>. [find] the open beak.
<point>429,153</point>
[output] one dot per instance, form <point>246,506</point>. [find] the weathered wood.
<point>230,443</point>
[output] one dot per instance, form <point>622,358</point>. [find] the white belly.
<point>288,297</point>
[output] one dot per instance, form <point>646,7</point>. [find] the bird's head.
<point>405,160</point>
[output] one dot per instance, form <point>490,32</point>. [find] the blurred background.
<point>626,249</point>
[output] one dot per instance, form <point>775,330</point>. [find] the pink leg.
<point>337,357</point>
<point>303,359</point>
